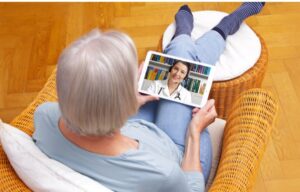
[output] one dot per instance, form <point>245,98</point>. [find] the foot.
<point>250,8</point>
<point>184,21</point>
<point>231,23</point>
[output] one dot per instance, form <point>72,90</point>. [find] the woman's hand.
<point>202,118</point>
<point>143,99</point>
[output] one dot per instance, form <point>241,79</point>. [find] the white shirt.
<point>160,87</point>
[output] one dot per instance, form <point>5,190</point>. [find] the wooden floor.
<point>33,34</point>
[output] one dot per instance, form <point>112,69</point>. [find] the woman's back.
<point>154,166</point>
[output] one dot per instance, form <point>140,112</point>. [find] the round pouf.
<point>242,65</point>
<point>226,92</point>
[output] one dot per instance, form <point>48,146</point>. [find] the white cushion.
<point>215,130</point>
<point>242,49</point>
<point>39,172</point>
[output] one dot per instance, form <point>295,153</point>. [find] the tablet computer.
<point>176,79</point>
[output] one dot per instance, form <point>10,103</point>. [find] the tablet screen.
<point>176,79</point>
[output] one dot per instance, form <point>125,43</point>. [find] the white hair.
<point>97,82</point>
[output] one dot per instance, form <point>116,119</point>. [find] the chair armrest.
<point>24,121</point>
<point>245,138</point>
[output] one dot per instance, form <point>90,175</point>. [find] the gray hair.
<point>97,82</point>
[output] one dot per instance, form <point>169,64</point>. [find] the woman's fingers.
<point>195,110</point>
<point>212,113</point>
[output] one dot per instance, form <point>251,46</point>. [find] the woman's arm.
<point>191,159</point>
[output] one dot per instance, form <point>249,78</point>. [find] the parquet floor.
<point>33,34</point>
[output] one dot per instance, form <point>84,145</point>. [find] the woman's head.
<point>97,82</point>
<point>179,71</point>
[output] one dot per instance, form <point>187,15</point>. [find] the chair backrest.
<point>9,181</point>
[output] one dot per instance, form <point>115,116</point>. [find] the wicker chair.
<point>246,134</point>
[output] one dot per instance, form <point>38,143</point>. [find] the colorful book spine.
<point>158,74</point>
<point>162,75</point>
<point>161,59</point>
<point>154,74</point>
<point>166,75</point>
<point>202,88</point>
<point>149,72</point>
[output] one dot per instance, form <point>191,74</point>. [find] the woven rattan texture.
<point>9,181</point>
<point>247,132</point>
<point>226,92</point>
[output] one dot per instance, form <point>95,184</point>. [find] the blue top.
<point>154,166</point>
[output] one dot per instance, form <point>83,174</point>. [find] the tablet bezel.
<point>209,81</point>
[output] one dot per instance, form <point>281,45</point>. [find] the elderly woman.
<point>158,149</point>
<point>88,129</point>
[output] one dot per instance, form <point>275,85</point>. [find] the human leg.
<point>231,23</point>
<point>209,47</point>
<point>174,118</point>
<point>184,21</point>
<point>182,44</point>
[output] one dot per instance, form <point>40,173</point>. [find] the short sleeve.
<point>195,180</point>
<point>179,181</point>
<point>44,116</point>
<point>40,120</point>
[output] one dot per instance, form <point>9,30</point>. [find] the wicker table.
<point>226,92</point>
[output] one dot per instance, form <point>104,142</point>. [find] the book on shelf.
<point>154,73</point>
<point>163,75</point>
<point>165,60</point>
<point>192,84</point>
<point>202,88</point>
<point>149,72</point>
<point>195,85</point>
<point>158,74</point>
<point>200,69</point>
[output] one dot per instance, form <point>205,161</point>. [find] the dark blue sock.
<point>231,23</point>
<point>184,21</point>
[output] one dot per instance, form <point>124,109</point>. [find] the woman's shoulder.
<point>45,114</point>
<point>46,107</point>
